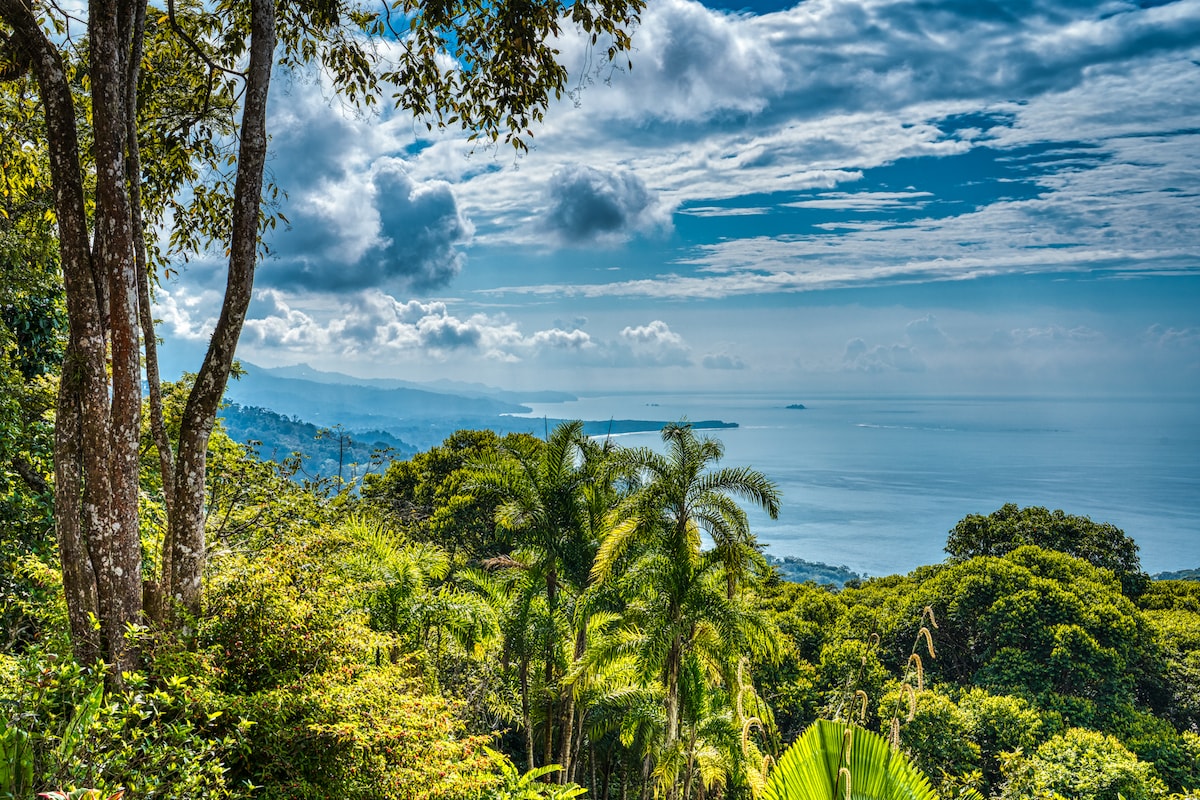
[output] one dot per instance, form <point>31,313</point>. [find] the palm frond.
<point>814,768</point>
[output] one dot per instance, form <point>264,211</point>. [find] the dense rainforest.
<point>509,616</point>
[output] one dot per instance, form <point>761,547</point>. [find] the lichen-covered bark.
<point>83,492</point>
<point>187,522</point>
<point>98,425</point>
<point>79,580</point>
<point>116,547</point>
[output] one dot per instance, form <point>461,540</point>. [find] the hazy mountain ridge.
<point>441,386</point>
<point>330,402</point>
<point>419,415</point>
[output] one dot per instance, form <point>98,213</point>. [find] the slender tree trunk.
<point>568,745</point>
<point>133,179</point>
<point>691,763</point>
<point>526,720</point>
<point>551,605</point>
<point>674,664</point>
<point>79,581</point>
<point>580,718</point>
<point>186,526</point>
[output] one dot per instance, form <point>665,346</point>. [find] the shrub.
<point>359,732</point>
<point>1082,765</point>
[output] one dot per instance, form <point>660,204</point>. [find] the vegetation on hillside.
<point>507,616</point>
<point>330,453</point>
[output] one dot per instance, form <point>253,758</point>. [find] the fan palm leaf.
<point>817,765</point>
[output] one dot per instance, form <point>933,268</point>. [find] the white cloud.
<point>187,316</point>
<point>741,124</point>
<point>723,360</point>
<point>653,344</point>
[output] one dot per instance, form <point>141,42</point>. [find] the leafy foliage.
<point>1080,764</point>
<point>325,453</point>
<point>1010,527</point>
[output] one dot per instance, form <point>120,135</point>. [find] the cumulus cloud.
<point>924,332</point>
<point>654,344</point>
<point>559,339</point>
<point>374,228</point>
<point>722,360</point>
<point>186,315</point>
<point>586,204</point>
<point>858,357</point>
<point>372,324</point>
<point>699,61</point>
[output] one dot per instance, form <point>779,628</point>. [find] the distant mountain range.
<point>456,388</point>
<point>418,415</point>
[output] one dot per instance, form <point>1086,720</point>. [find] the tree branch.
<point>30,476</point>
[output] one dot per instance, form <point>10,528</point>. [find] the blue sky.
<point>840,195</point>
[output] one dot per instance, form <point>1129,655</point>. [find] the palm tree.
<point>683,597</point>
<point>406,590</point>
<point>833,760</point>
<point>555,496</point>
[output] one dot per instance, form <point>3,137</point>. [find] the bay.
<point>876,482</point>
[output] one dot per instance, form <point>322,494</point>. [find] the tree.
<point>659,526</point>
<point>553,498</point>
<point>1080,764</point>
<point>505,76</point>
<point>1039,625</point>
<point>1102,544</point>
<point>427,497</point>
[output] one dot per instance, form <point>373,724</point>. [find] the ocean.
<point>876,483</point>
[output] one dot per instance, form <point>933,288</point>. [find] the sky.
<point>911,196</point>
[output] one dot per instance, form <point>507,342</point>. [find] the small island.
<point>797,406</point>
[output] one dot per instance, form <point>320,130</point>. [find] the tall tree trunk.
<point>79,580</point>
<point>106,283</point>
<point>117,545</point>
<point>133,180</point>
<point>691,763</point>
<point>674,664</point>
<point>95,510</point>
<point>551,605</point>
<point>186,524</point>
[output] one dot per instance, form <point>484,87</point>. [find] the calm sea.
<point>876,483</point>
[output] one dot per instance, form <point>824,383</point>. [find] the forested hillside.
<point>323,452</point>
